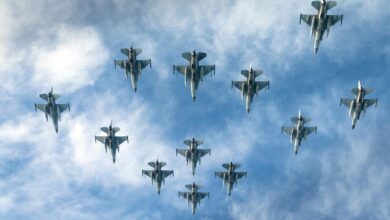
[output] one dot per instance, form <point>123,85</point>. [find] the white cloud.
<point>74,59</point>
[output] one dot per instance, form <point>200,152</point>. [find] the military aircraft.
<point>299,131</point>
<point>51,108</point>
<point>193,154</point>
<point>321,22</point>
<point>157,174</point>
<point>194,197</point>
<point>359,103</point>
<point>250,87</point>
<point>230,177</point>
<point>194,72</point>
<point>111,141</point>
<point>132,66</point>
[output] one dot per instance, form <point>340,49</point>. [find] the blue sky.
<point>339,173</point>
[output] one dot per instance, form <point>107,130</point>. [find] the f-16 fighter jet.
<point>193,154</point>
<point>321,22</point>
<point>51,108</point>
<point>230,177</point>
<point>193,73</point>
<point>359,103</point>
<point>194,197</point>
<point>250,87</point>
<point>157,174</point>
<point>299,131</point>
<point>132,66</point>
<point>111,141</point>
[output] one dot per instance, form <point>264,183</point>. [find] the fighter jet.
<point>194,197</point>
<point>111,141</point>
<point>359,103</point>
<point>250,87</point>
<point>51,108</point>
<point>230,177</point>
<point>193,154</point>
<point>157,174</point>
<point>193,73</point>
<point>132,66</point>
<point>321,22</point>
<point>299,131</point>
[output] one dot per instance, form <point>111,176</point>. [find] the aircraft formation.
<point>193,74</point>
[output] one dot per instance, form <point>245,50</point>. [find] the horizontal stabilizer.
<point>162,164</point>
<point>201,56</point>
<point>125,51</point>
<point>296,119</point>
<point>152,164</point>
<point>116,129</point>
<point>245,73</point>
<point>330,4</point>
<point>258,73</point>
<point>316,5</point>
<point>186,55</point>
<point>235,165</point>
<point>44,96</point>
<point>104,129</point>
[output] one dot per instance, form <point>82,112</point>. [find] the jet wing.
<point>203,152</point>
<point>120,63</point>
<point>309,130</point>
<point>121,139</point>
<point>288,130</point>
<point>206,69</point>
<point>181,151</point>
<point>185,195</point>
<point>220,174</point>
<point>307,19</point>
<point>101,139</point>
<point>180,68</point>
<point>202,195</point>
<point>261,85</point>
<point>148,173</point>
<point>238,84</point>
<point>144,63</point>
<point>167,173</point>
<point>241,174</point>
<point>41,107</point>
<point>63,107</point>
<point>335,18</point>
<point>346,102</point>
<point>369,102</point>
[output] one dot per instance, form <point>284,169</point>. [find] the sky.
<point>339,173</point>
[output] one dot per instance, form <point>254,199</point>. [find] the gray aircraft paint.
<point>51,108</point>
<point>231,177</point>
<point>250,87</point>
<point>111,141</point>
<point>194,72</point>
<point>359,104</point>
<point>193,197</point>
<point>299,131</point>
<point>157,174</point>
<point>132,66</point>
<point>321,22</point>
<point>193,154</point>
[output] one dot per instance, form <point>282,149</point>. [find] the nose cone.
<point>296,152</point>
<point>316,50</point>
<point>113,160</point>
<point>135,89</point>
<point>193,98</point>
